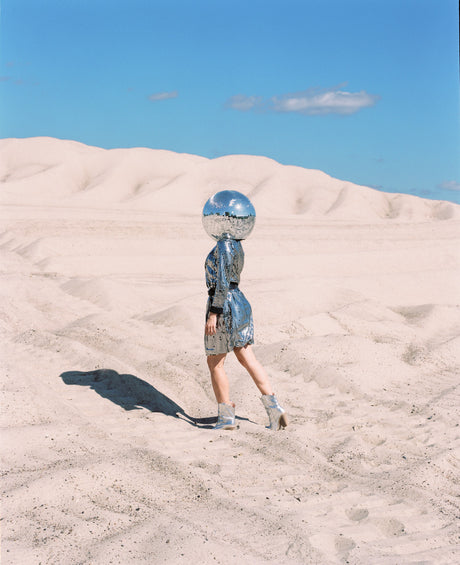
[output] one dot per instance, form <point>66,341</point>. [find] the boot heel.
<point>283,422</point>
<point>227,427</point>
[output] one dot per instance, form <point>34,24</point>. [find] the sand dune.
<point>107,451</point>
<point>41,171</point>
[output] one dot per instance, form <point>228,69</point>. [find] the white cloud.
<point>243,103</point>
<point>311,102</point>
<point>320,102</point>
<point>163,95</point>
<point>449,185</point>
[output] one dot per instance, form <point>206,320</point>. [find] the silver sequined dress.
<point>235,327</point>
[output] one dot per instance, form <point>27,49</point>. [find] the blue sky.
<point>365,90</point>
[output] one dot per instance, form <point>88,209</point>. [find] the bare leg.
<point>219,378</point>
<point>246,357</point>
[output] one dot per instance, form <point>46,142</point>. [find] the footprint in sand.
<point>357,514</point>
<point>344,545</point>
<point>391,527</point>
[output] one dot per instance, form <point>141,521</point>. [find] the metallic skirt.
<point>235,327</point>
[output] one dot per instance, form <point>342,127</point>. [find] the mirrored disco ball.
<point>228,215</point>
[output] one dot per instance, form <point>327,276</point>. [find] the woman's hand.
<point>211,324</point>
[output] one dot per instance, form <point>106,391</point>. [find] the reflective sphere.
<point>228,215</point>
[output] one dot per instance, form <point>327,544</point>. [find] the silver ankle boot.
<point>225,417</point>
<point>276,414</point>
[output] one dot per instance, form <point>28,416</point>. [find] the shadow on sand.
<point>132,393</point>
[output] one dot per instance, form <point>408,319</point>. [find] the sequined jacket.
<point>223,267</point>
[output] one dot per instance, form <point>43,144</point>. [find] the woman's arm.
<point>224,264</point>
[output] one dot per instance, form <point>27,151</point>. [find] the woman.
<point>229,217</point>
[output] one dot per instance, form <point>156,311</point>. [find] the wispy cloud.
<point>244,103</point>
<point>316,102</point>
<point>4,79</point>
<point>310,102</point>
<point>163,96</point>
<point>449,185</point>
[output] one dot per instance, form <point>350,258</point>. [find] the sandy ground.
<point>107,451</point>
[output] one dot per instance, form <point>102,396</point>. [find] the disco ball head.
<point>228,214</point>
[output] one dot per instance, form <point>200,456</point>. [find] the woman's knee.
<point>244,356</point>
<point>215,361</point>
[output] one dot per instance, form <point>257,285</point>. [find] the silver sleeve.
<point>225,254</point>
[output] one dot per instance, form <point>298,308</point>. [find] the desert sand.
<point>107,451</point>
